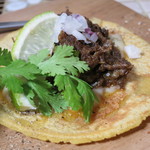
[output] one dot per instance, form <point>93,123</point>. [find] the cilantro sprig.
<point>47,97</point>
<point>30,78</point>
<point>5,57</point>
<point>13,75</point>
<point>77,92</point>
<point>62,62</point>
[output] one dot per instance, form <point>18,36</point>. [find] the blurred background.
<point>140,6</point>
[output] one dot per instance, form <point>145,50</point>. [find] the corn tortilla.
<point>124,110</point>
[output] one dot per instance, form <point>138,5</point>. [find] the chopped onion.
<point>58,27</point>
<point>75,15</point>
<point>88,31</point>
<point>90,35</point>
<point>79,36</point>
<point>132,51</point>
<point>75,25</point>
<point>82,20</point>
<point>93,37</point>
<point>71,24</point>
<point>87,36</point>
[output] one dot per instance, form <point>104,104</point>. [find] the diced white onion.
<point>75,25</point>
<point>82,20</point>
<point>58,27</point>
<point>93,37</point>
<point>71,24</point>
<point>132,51</point>
<point>90,35</point>
<point>79,35</point>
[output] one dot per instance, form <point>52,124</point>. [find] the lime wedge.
<point>35,36</point>
<point>21,102</point>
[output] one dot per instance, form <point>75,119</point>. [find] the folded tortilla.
<point>118,113</point>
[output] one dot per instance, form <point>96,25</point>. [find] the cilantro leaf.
<point>13,83</point>
<point>46,98</point>
<point>39,57</point>
<point>88,97</point>
<point>20,68</point>
<point>77,92</point>
<point>65,83</point>
<point>5,57</point>
<point>29,78</point>
<point>58,103</point>
<point>62,62</point>
<point>12,75</point>
<point>43,95</point>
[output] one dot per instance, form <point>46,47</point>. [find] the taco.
<point>119,75</point>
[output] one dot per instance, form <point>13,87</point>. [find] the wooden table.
<point>136,139</point>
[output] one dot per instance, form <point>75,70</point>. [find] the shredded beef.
<point>107,67</point>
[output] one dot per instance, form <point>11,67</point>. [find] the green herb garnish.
<point>30,79</point>
<point>5,57</point>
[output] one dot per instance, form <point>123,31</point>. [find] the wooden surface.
<point>104,9</point>
<point>136,139</point>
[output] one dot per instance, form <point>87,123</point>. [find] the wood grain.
<point>136,139</point>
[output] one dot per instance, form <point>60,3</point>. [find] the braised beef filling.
<point>107,67</point>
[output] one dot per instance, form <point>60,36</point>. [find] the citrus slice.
<point>35,36</point>
<point>21,102</point>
